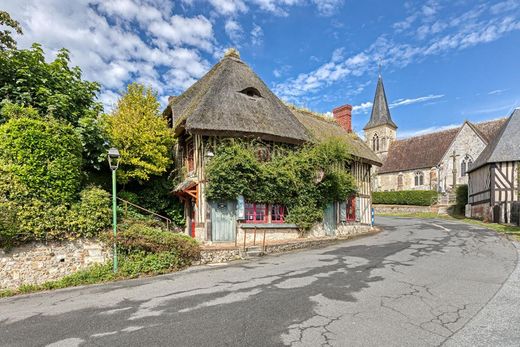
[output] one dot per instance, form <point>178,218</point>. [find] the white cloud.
<point>367,106</point>
<point>163,53</point>
<point>497,91</point>
<point>233,30</point>
<point>363,107</point>
<point>328,7</point>
<point>403,102</point>
<point>229,7</point>
<point>257,35</point>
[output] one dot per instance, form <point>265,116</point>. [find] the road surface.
<point>417,283</point>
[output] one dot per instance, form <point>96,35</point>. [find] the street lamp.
<point>113,162</point>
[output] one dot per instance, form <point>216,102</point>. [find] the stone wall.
<point>388,182</point>
<point>37,263</point>
<point>379,209</point>
<point>272,233</point>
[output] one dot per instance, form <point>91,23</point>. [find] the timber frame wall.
<point>203,144</point>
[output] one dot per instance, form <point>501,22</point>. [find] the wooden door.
<point>329,219</point>
<point>223,221</point>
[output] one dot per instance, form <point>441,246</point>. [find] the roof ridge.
<point>317,115</point>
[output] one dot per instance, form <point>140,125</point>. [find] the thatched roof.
<point>231,100</point>
<point>321,128</point>
<point>505,146</point>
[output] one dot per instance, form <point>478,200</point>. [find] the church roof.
<point>505,146</point>
<point>321,128</point>
<point>231,100</point>
<point>380,112</point>
<point>426,151</point>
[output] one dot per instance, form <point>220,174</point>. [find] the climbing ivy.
<point>304,179</point>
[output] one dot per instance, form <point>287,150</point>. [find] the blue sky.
<point>443,61</point>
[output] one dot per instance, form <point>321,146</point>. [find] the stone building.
<point>436,161</point>
<point>231,101</point>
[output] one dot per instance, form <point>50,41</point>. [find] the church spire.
<point>380,111</point>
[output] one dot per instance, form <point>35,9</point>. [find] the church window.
<point>465,165</point>
<point>399,181</point>
<point>419,178</point>
<point>383,143</point>
<point>375,143</point>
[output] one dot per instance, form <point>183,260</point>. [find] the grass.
<point>501,228</point>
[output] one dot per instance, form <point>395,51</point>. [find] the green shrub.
<point>140,237</point>
<point>44,155</point>
<point>139,263</point>
<point>406,197</point>
<point>36,220</point>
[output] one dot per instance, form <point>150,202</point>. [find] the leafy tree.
<point>142,136</point>
<point>44,155</point>
<point>51,88</point>
<point>6,40</point>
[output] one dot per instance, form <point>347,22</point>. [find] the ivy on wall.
<point>304,179</point>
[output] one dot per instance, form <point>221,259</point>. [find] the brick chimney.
<point>343,115</point>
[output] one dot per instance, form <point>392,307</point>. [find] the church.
<point>436,161</point>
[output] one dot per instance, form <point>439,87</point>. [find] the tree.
<point>52,88</point>
<point>44,155</point>
<point>142,136</point>
<point>6,40</point>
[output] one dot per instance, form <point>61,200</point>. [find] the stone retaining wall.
<point>379,209</point>
<point>37,263</point>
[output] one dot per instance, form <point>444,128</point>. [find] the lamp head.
<point>113,158</point>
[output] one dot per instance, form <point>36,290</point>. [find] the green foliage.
<point>92,139</point>
<point>303,180</point>
<point>52,88</point>
<point>45,155</point>
<point>6,40</point>
<point>35,220</point>
<point>142,136</point>
<point>461,199</point>
<point>140,238</point>
<point>406,197</point>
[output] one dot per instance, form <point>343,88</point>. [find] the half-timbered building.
<point>493,178</point>
<point>231,101</point>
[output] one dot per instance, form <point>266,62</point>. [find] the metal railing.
<point>166,220</point>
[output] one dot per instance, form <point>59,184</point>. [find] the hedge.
<point>406,197</point>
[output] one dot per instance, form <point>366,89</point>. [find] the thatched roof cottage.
<point>232,101</point>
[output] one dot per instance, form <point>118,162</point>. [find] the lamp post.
<point>113,162</point>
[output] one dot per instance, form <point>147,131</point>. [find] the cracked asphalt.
<point>417,283</point>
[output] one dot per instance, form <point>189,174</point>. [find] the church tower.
<point>380,130</point>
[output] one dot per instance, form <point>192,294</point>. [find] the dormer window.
<point>251,92</point>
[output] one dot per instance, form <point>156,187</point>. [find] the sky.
<point>442,61</point>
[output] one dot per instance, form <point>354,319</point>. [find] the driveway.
<point>418,283</point>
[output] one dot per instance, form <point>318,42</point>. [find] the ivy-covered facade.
<point>231,109</point>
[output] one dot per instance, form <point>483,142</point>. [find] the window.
<point>419,178</point>
<point>263,153</point>
<point>399,181</point>
<point>351,209</point>
<point>277,214</point>
<point>251,92</point>
<point>190,161</point>
<point>375,143</point>
<point>463,168</point>
<point>256,213</point>
<point>347,210</point>
<point>465,165</point>
<point>383,143</point>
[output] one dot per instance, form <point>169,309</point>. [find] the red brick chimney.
<point>343,115</point>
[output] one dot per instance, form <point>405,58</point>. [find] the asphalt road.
<point>418,283</point>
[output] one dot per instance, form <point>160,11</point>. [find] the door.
<point>223,221</point>
<point>329,219</point>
